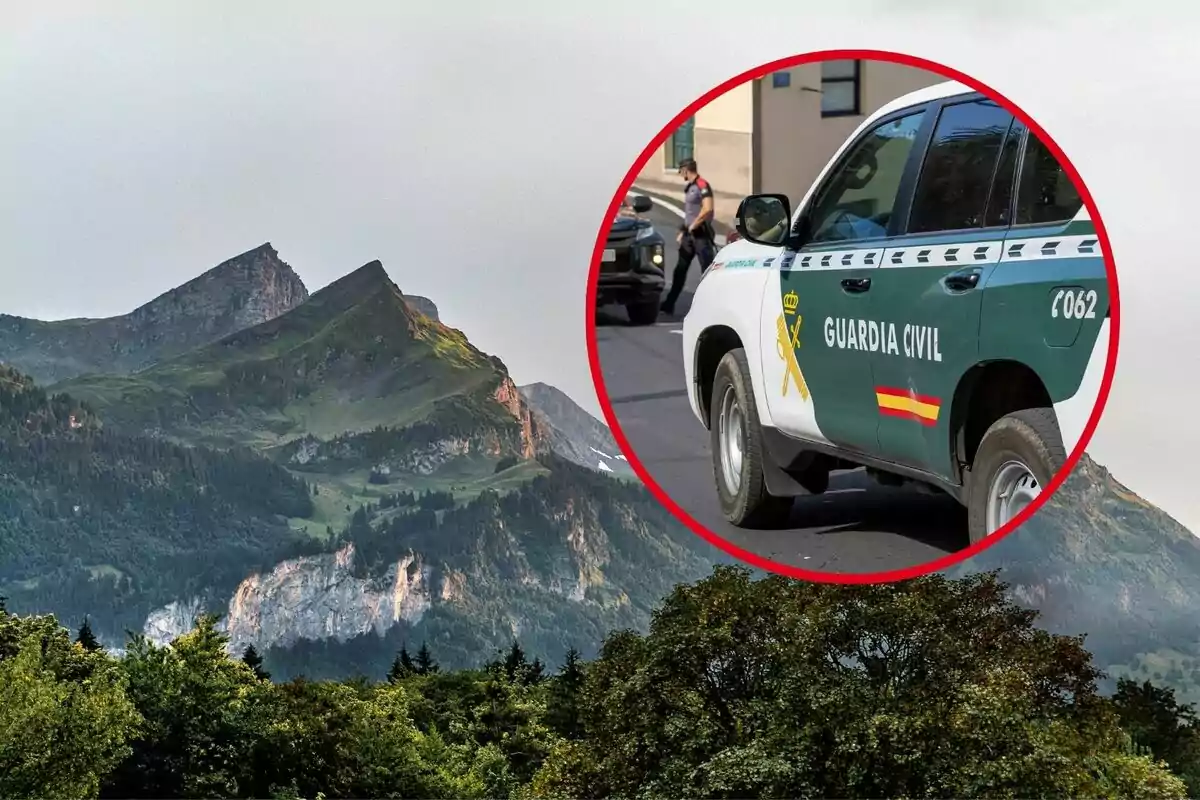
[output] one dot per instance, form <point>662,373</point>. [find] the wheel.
<point>1019,455</point>
<point>737,452</point>
<point>643,313</point>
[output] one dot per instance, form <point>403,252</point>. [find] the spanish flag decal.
<point>908,404</point>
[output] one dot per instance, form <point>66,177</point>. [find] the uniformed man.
<point>696,234</point>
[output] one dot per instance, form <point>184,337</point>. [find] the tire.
<point>643,313</point>
<point>1029,438</point>
<point>748,504</point>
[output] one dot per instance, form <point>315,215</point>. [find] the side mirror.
<point>764,219</point>
<point>641,204</point>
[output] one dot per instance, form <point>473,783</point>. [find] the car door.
<point>927,295</point>
<point>1047,305</point>
<point>816,330</point>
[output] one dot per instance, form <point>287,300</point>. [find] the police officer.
<point>696,234</point>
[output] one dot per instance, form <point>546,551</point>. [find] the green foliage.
<point>786,688</point>
<point>741,688</point>
<point>1160,724</point>
<point>65,721</point>
<point>254,661</point>
<point>86,639</point>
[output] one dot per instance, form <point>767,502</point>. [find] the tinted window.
<point>857,200</point>
<point>999,210</point>
<point>1046,193</point>
<point>956,178</point>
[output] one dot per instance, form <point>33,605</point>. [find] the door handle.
<point>856,285</point>
<point>963,281</point>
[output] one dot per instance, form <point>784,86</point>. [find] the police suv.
<point>936,310</point>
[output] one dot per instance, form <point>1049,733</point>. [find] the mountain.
<point>1100,559</point>
<point>344,474</point>
<point>94,521</point>
<point>423,305</point>
<point>556,562</point>
<point>243,291</point>
<point>573,433</point>
<point>327,381</point>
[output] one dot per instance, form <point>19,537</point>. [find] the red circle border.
<point>753,559</point>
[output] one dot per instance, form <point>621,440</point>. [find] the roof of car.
<point>935,92</point>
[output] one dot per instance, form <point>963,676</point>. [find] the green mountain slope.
<point>401,485</point>
<point>556,561</point>
<point>353,357</point>
<point>94,521</point>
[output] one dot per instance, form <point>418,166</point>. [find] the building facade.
<point>776,133</point>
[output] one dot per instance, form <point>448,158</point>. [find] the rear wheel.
<point>737,452</point>
<point>643,313</point>
<point>1017,458</point>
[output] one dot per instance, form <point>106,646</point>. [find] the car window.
<point>999,209</point>
<point>857,201</point>
<point>956,178</point>
<point>1046,193</point>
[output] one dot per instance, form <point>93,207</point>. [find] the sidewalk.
<point>725,205</point>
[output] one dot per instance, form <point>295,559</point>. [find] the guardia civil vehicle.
<point>936,310</point>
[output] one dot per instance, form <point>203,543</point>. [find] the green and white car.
<point>936,310</point>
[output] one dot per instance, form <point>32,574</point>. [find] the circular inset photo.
<point>852,316</point>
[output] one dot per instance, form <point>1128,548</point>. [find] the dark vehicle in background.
<point>631,267</point>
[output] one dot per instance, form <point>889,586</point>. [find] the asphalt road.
<point>855,527</point>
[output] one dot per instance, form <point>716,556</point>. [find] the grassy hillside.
<point>353,357</point>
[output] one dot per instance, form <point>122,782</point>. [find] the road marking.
<point>680,331</point>
<point>674,209</point>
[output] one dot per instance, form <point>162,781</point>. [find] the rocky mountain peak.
<point>240,292</point>
<point>245,290</point>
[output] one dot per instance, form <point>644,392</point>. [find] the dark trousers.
<point>692,246</point>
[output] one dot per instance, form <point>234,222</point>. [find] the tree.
<point>514,662</point>
<point>65,721</point>
<point>1170,730</point>
<point>425,665</point>
<point>86,639</point>
<point>778,687</point>
<point>565,694</point>
<point>199,718</point>
<point>254,661</point>
<point>402,666</point>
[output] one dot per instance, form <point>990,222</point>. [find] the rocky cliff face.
<point>423,305</point>
<point>565,551</point>
<point>246,290</point>
<point>315,598</point>
<point>573,433</point>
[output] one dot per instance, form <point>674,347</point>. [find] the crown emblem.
<point>791,300</point>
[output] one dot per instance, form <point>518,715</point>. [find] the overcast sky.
<point>475,154</point>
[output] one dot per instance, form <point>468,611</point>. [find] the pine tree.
<point>536,672</point>
<point>254,661</point>
<point>86,638</point>
<point>514,662</point>
<point>425,664</point>
<point>566,692</point>
<point>402,666</point>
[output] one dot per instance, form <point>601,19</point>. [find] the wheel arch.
<point>985,393</point>
<point>711,346</point>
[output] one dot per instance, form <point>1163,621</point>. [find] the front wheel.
<point>737,452</point>
<point>1017,458</point>
<point>643,313</point>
